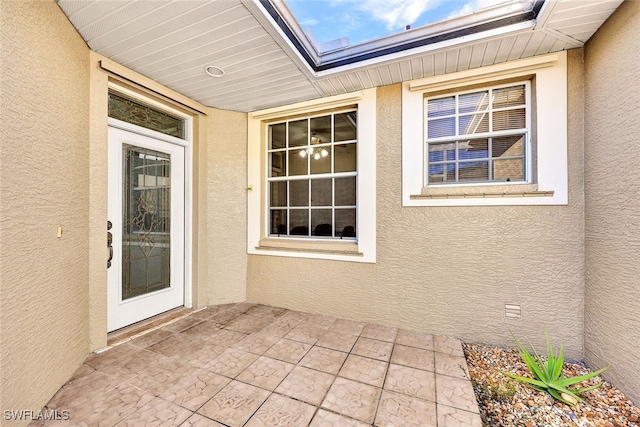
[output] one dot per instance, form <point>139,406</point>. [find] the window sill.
<point>348,248</point>
<point>485,191</point>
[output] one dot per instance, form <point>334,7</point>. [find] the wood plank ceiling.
<point>172,41</point>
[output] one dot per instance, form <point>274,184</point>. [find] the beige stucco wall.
<point>44,184</point>
<point>451,270</point>
<point>612,150</point>
<point>98,111</point>
<point>227,206</point>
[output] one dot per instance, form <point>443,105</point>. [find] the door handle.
<point>109,243</point>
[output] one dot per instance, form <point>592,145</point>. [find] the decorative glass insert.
<point>133,112</point>
<point>478,136</point>
<point>312,176</point>
<point>146,244</point>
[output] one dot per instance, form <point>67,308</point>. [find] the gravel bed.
<point>506,402</point>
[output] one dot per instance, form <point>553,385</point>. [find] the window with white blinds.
<point>478,136</point>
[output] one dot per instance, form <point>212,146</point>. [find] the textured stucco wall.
<point>98,112</point>
<point>451,270</point>
<point>612,150</point>
<point>227,206</point>
<point>44,183</point>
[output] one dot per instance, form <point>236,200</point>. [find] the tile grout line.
<point>435,383</point>
<point>386,374</point>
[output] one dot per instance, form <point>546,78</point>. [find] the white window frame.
<point>547,184</point>
<point>363,248</point>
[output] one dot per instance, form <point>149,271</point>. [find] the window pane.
<point>298,133</point>
<point>508,170</point>
<point>321,222</point>
<point>472,102</point>
<point>509,96</point>
<point>507,146</point>
<point>345,223</point>
<point>345,126</point>
<point>299,193</point>
<point>279,221</point>
<point>473,171</point>
<point>321,192</point>
<point>345,158</point>
<point>320,130</point>
<point>442,152</point>
<point>298,161</point>
<point>475,123</point>
<point>442,173</point>
<point>321,159</point>
<point>509,119</point>
<point>279,194</point>
<point>441,127</point>
<point>441,107</point>
<point>278,162</point>
<point>473,149</point>
<point>345,191</point>
<point>278,136</point>
<point>299,222</point>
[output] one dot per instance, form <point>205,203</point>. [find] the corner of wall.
<point>226,206</point>
<point>98,202</point>
<point>612,125</point>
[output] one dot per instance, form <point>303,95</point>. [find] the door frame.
<point>187,143</point>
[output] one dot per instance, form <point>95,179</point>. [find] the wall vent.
<point>512,311</point>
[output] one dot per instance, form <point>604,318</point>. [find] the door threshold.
<point>139,328</point>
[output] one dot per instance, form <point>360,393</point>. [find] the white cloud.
<point>308,22</point>
<point>393,13</point>
<point>397,13</point>
<point>473,6</point>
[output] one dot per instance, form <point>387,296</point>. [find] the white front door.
<point>146,209</point>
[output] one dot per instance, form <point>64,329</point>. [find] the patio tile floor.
<point>254,365</point>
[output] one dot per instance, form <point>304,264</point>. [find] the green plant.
<point>547,377</point>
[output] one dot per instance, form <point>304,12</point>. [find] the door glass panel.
<point>133,112</point>
<point>146,221</point>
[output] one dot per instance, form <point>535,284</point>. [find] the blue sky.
<point>364,20</point>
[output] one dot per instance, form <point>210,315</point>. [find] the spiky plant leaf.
<point>548,376</point>
<point>527,380</point>
<point>575,380</point>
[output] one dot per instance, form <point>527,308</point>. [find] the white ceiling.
<point>171,42</point>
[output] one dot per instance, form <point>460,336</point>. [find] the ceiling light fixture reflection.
<point>314,153</point>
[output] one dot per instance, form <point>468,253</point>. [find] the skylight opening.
<point>335,25</point>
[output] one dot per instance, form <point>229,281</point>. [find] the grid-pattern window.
<point>312,178</point>
<point>478,136</point>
